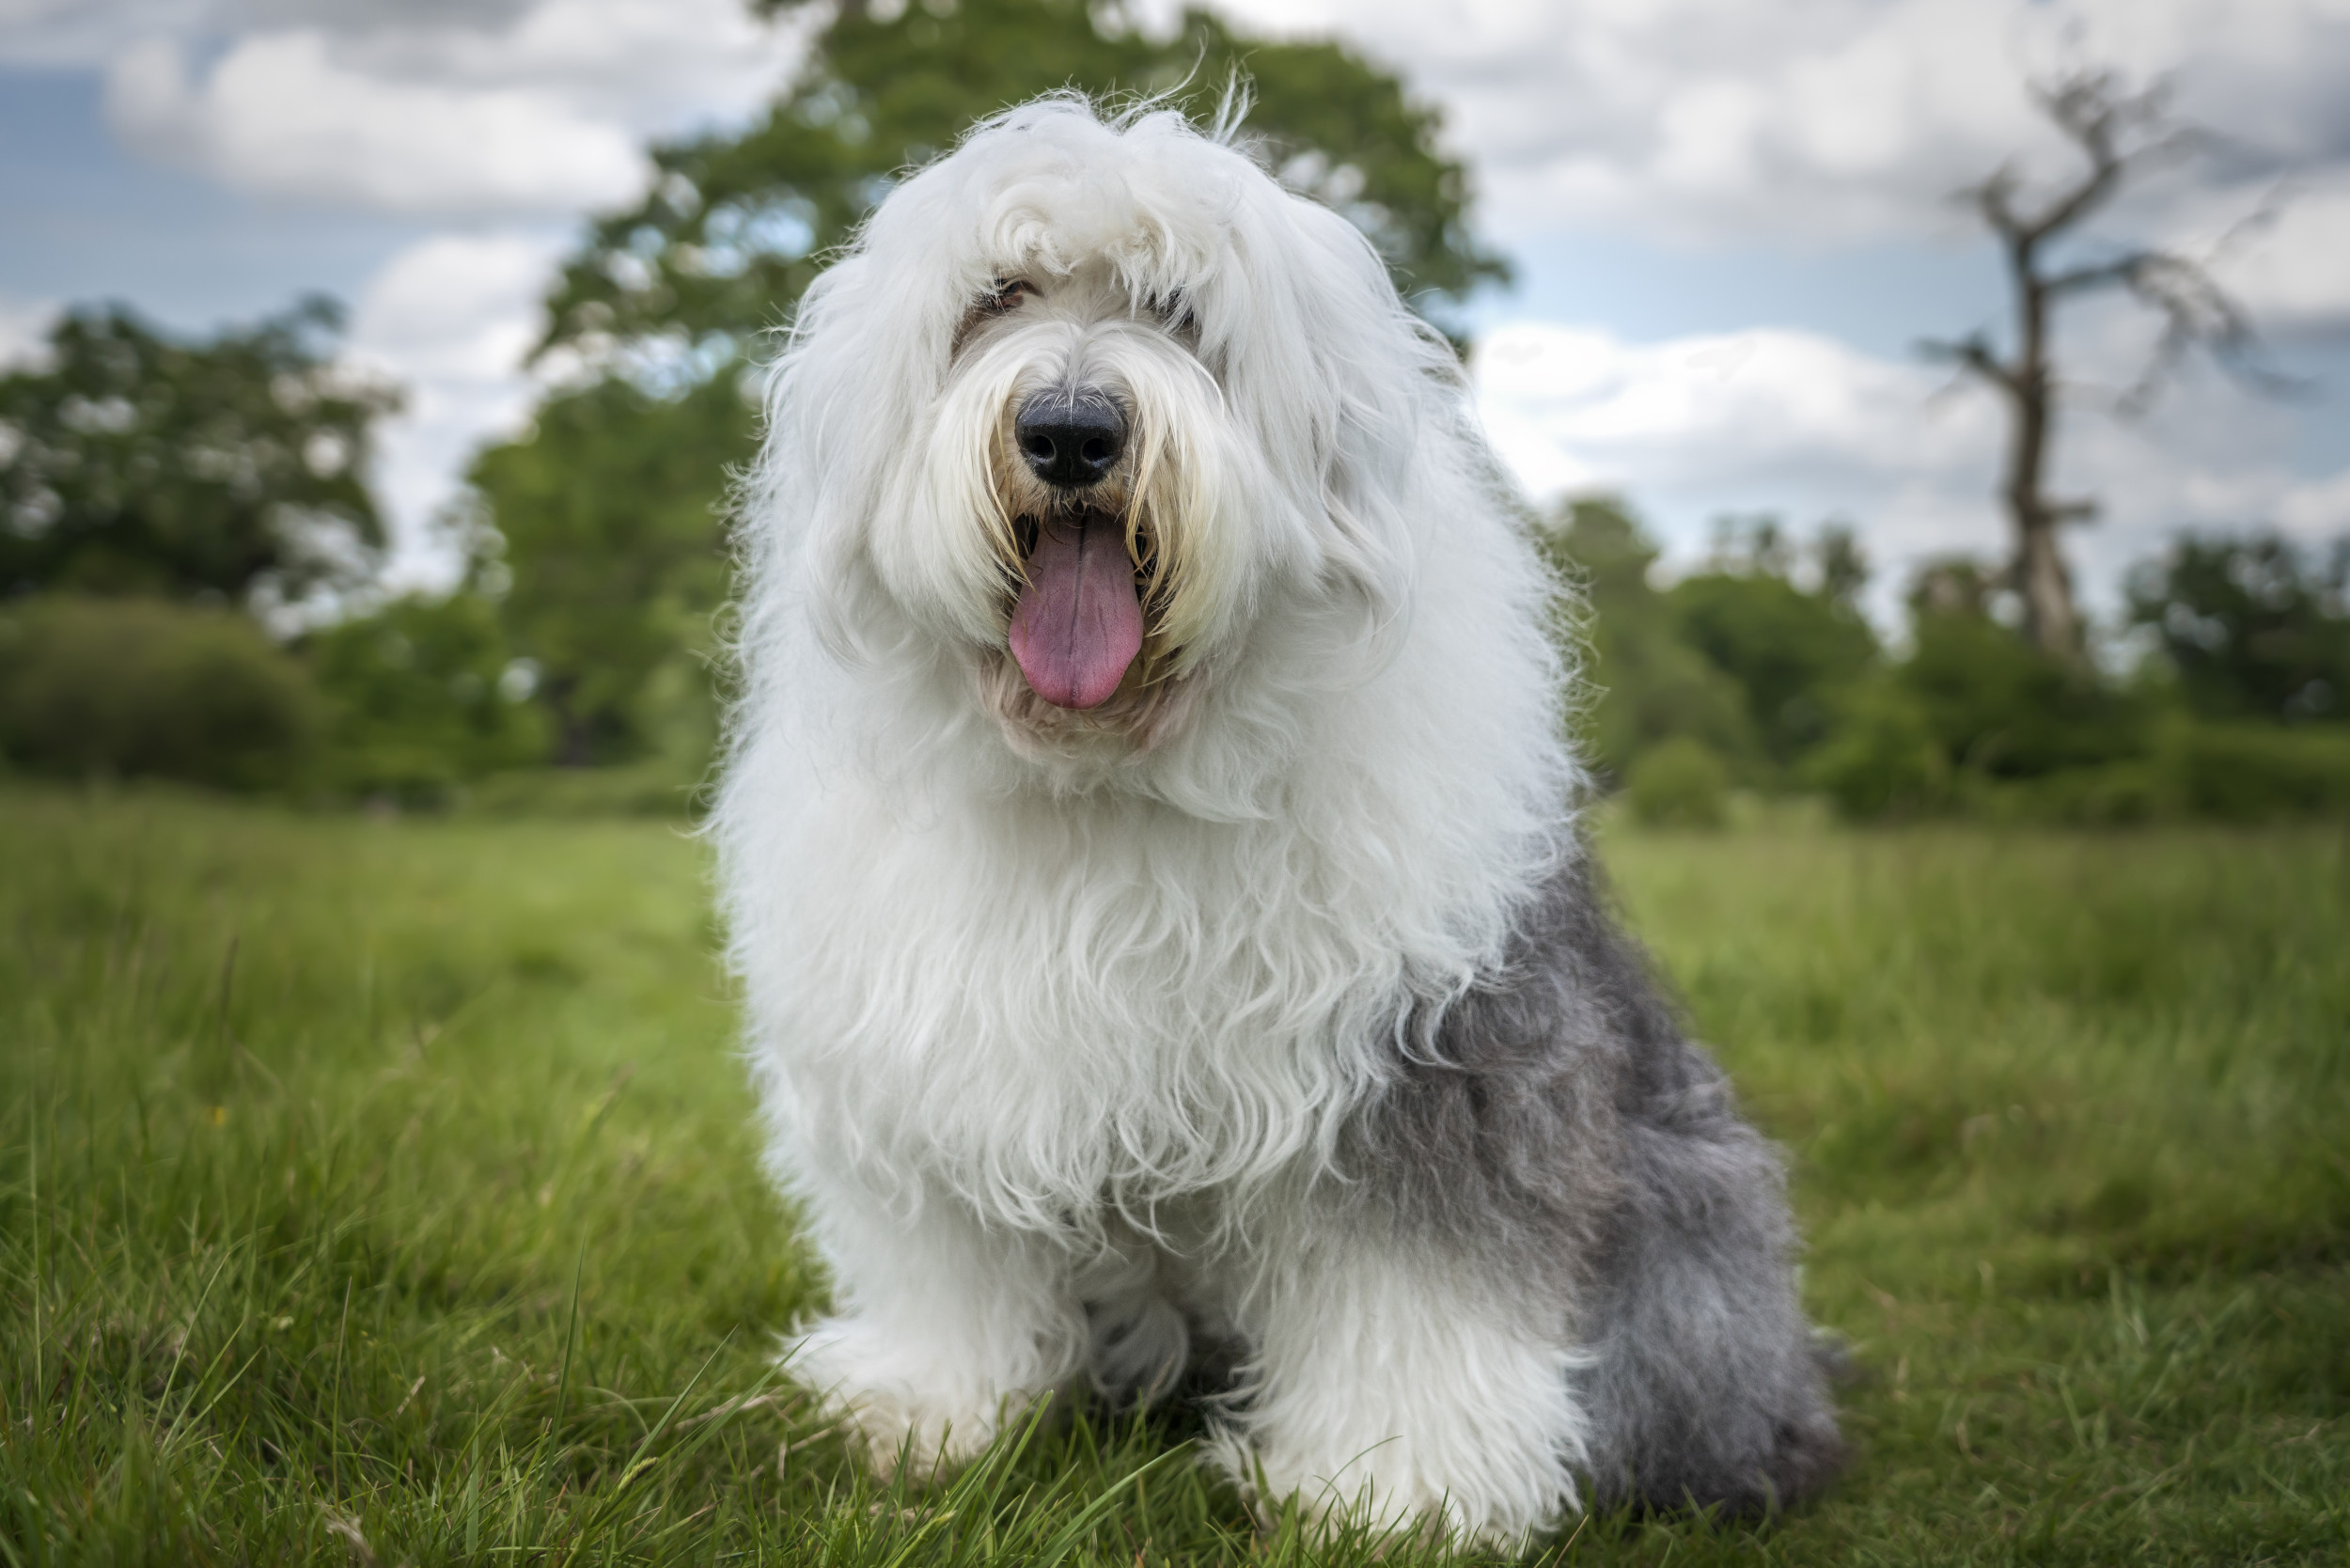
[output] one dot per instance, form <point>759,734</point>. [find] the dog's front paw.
<point>892,1432</point>
<point>1389,1495</point>
<point>898,1409</point>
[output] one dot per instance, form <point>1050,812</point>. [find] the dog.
<point>1150,855</point>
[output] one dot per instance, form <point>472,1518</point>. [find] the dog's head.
<point>1090,402</point>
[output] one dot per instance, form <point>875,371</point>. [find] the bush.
<point>2255,626</point>
<point>1999,708</point>
<point>1882,759</point>
<point>128,687</point>
<point>2256,773</point>
<point>650,788</point>
<point>1679,783</point>
<point>420,699</point>
<point>1788,650</point>
<point>1646,684</point>
<point>2111,794</point>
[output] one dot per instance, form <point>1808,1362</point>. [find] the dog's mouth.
<point>1078,625</point>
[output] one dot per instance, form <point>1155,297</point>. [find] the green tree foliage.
<point>608,508</point>
<point>1997,707</point>
<point>1646,683</point>
<point>737,225</point>
<point>1761,669</point>
<point>1679,783</point>
<point>421,696</point>
<point>135,462</point>
<point>2250,773</point>
<point>126,687</point>
<point>1738,658</point>
<point>2255,627</point>
<point>1977,719</point>
<point>1790,648</point>
<point>1881,759</point>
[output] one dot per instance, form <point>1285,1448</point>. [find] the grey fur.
<point>1551,1134</point>
<point>1554,1125</point>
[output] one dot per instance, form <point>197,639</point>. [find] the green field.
<point>382,1191</point>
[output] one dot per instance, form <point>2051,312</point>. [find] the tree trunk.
<point>2050,623</point>
<point>2037,573</point>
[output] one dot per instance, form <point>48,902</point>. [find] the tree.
<point>736,227</point>
<point>2120,134</point>
<point>135,461</point>
<point>420,696</point>
<point>1788,648</point>
<point>2000,708</point>
<point>608,510</point>
<point>2255,627</point>
<point>1647,684</point>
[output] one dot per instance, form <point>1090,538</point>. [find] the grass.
<point>383,1192</point>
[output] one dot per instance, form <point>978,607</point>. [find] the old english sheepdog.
<point>1150,855</point>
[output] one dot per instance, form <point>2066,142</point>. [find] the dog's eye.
<point>1174,309</point>
<point>1003,294</point>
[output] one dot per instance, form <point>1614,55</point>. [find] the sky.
<point>1730,221</point>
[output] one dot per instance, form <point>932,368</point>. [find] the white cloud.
<point>541,107</point>
<point>280,116</point>
<point>2317,508</point>
<point>510,114</point>
<point>23,331</point>
<point>1726,121</point>
<point>655,66</point>
<point>1693,426</point>
<point>65,35</point>
<point>2295,269</point>
<point>450,318</point>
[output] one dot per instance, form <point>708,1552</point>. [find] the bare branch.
<point>2119,131</point>
<point>1995,199</point>
<point>2102,274</point>
<point>1971,352</point>
<point>2198,313</point>
<point>2263,217</point>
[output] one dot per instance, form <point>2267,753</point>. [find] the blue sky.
<point>1727,219</point>
<point>88,219</point>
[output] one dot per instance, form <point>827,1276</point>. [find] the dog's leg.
<point>1392,1385</point>
<point>941,1328</point>
<point>1709,1387</point>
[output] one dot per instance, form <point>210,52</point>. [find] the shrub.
<point>2255,626</point>
<point>126,687</point>
<point>2255,772</point>
<point>1999,708</point>
<point>420,699</point>
<point>1646,684</point>
<point>648,788</point>
<point>2109,795</point>
<point>1884,759</point>
<point>1788,650</point>
<point>1679,783</point>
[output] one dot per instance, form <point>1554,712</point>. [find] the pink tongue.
<point>1079,623</point>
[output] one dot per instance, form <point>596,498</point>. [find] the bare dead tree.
<point>2121,134</point>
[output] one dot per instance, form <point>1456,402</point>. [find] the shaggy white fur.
<point>1060,1014</point>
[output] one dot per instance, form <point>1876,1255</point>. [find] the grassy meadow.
<point>383,1192</point>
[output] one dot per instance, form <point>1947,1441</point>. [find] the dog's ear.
<point>1344,389</point>
<point>861,367</point>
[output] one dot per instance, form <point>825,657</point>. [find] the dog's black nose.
<point>1070,439</point>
